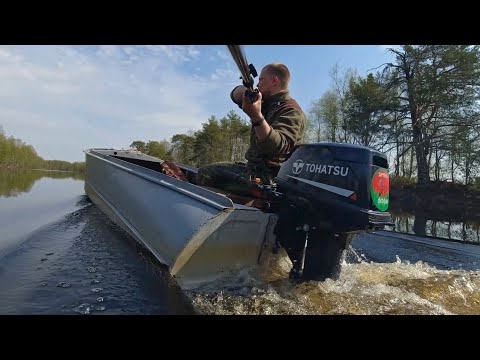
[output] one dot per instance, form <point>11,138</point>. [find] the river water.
<point>60,255</point>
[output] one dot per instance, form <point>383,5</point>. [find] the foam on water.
<point>362,288</point>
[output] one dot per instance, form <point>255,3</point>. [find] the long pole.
<point>247,71</point>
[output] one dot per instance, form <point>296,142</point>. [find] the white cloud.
<point>176,53</point>
<point>63,99</point>
<point>165,124</point>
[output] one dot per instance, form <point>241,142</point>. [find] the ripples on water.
<point>84,264</point>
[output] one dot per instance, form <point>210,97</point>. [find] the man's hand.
<point>253,110</point>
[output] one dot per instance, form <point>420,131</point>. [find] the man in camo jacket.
<point>278,124</point>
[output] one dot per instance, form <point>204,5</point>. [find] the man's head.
<point>273,79</point>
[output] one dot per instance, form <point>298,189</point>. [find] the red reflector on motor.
<point>353,196</point>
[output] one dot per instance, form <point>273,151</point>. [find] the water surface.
<point>60,255</point>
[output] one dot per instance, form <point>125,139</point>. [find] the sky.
<point>65,99</point>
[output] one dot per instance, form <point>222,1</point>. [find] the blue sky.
<point>64,99</point>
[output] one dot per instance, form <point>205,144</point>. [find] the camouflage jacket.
<point>287,122</point>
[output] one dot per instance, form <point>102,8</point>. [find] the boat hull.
<point>198,234</point>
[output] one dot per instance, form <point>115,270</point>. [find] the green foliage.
<point>16,155</point>
<point>139,146</point>
<point>324,117</point>
<point>226,139</point>
<point>160,149</point>
<point>182,149</point>
<point>367,100</point>
<point>208,142</point>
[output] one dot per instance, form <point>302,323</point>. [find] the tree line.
<point>17,155</point>
<point>224,139</point>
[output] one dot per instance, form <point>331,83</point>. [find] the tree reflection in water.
<point>456,229</point>
<point>14,183</point>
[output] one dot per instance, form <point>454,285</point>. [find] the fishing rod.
<point>248,72</point>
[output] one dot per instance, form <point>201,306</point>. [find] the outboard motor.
<point>330,193</point>
<point>324,194</point>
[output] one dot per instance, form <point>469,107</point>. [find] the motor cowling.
<point>345,185</point>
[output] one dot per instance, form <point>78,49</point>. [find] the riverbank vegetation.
<point>224,139</point>
<point>16,155</point>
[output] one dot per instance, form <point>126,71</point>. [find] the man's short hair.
<point>280,71</point>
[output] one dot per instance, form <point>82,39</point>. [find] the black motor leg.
<point>294,244</point>
<point>315,254</point>
<point>324,255</point>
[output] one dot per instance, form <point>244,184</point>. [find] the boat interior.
<point>190,173</point>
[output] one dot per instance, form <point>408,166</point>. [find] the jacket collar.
<point>281,96</point>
